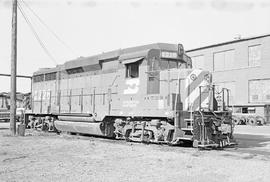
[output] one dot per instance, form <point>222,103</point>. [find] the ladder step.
<point>187,129</point>
<point>185,138</point>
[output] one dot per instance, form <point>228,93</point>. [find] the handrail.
<point>202,126</point>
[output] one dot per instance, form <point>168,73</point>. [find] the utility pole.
<point>13,69</point>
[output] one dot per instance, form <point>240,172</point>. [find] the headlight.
<point>193,77</point>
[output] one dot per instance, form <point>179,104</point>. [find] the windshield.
<point>162,64</point>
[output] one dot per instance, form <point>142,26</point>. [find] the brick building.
<point>243,66</point>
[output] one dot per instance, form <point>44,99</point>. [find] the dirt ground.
<point>49,157</point>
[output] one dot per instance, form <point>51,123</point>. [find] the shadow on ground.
<point>251,141</point>
<point>253,144</point>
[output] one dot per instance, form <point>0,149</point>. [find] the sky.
<point>72,28</point>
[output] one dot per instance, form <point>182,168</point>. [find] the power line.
<point>50,30</point>
<point>35,34</point>
<point>21,76</point>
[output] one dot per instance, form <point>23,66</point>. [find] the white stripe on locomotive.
<point>193,95</point>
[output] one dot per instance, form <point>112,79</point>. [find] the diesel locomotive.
<point>147,93</point>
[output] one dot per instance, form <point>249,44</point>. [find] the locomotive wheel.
<point>148,136</point>
<point>252,121</point>
<point>44,127</point>
<point>127,135</point>
<point>35,125</point>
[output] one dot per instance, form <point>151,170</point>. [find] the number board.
<point>167,54</point>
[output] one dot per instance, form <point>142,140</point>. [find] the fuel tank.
<point>90,128</point>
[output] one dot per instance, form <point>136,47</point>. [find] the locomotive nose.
<point>197,93</point>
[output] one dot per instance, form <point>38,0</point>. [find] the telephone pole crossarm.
<point>18,76</point>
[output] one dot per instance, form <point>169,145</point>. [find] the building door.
<point>267,113</point>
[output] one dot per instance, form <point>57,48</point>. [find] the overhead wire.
<point>36,34</point>
<point>49,29</point>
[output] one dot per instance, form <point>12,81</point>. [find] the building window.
<point>198,62</point>
<point>259,90</point>
<point>132,70</point>
<point>224,60</point>
<point>254,55</point>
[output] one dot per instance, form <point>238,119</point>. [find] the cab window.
<point>132,70</point>
<point>168,64</point>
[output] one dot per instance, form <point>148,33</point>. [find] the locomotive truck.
<point>147,93</point>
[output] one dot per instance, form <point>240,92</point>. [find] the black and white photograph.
<point>135,90</point>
